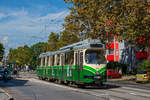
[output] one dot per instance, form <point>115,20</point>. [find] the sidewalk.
<point>3,95</point>
<point>125,78</point>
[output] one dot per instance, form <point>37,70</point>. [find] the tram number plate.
<point>139,78</point>
<point>97,77</point>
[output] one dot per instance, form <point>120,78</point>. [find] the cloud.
<point>2,15</point>
<point>4,40</point>
<point>24,23</point>
<point>23,27</point>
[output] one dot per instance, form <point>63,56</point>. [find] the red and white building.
<point>124,52</point>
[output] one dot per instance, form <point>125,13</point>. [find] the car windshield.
<point>95,57</point>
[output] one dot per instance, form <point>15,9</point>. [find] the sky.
<point>30,21</point>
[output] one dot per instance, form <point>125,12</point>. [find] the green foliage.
<point>1,51</point>
<point>143,65</point>
<point>86,19</point>
<point>114,65</point>
<point>29,55</point>
<point>36,50</point>
<point>52,42</point>
<point>67,38</point>
<point>129,19</point>
<point>20,55</point>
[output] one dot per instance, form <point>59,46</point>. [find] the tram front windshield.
<point>95,57</point>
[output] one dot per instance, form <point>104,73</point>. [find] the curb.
<point>122,79</point>
<point>9,96</point>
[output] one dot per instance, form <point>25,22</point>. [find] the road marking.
<point>133,93</point>
<point>141,90</point>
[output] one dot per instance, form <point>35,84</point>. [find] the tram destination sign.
<point>96,45</point>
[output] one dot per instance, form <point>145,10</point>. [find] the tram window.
<point>66,58</point>
<point>95,57</point>
<point>52,60</point>
<point>69,58</point>
<point>58,59</point>
<point>47,60</point>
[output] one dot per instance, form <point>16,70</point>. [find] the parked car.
<point>4,75</point>
<point>1,74</point>
<point>143,76</point>
<point>112,74</point>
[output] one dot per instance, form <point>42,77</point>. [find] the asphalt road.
<point>28,87</point>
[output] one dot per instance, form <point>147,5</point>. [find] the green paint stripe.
<point>102,70</point>
<point>89,69</point>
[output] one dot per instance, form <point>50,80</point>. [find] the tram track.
<point>102,93</point>
<point>107,92</point>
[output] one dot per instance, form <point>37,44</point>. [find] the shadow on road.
<point>106,86</point>
<point>13,83</point>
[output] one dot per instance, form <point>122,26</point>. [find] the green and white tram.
<point>82,63</point>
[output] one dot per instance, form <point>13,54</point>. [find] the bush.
<point>114,65</point>
<point>143,65</point>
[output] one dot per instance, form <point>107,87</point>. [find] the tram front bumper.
<point>97,79</point>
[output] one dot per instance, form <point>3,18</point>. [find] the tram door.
<point>78,64</point>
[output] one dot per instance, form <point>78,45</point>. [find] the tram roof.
<point>85,44</point>
<point>82,43</point>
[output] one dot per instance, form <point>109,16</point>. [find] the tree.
<point>129,19</point>
<point>143,66</point>
<point>36,50</point>
<point>86,18</point>
<point>21,55</point>
<point>52,42</point>
<point>137,23</point>
<point>1,51</point>
<point>67,38</point>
